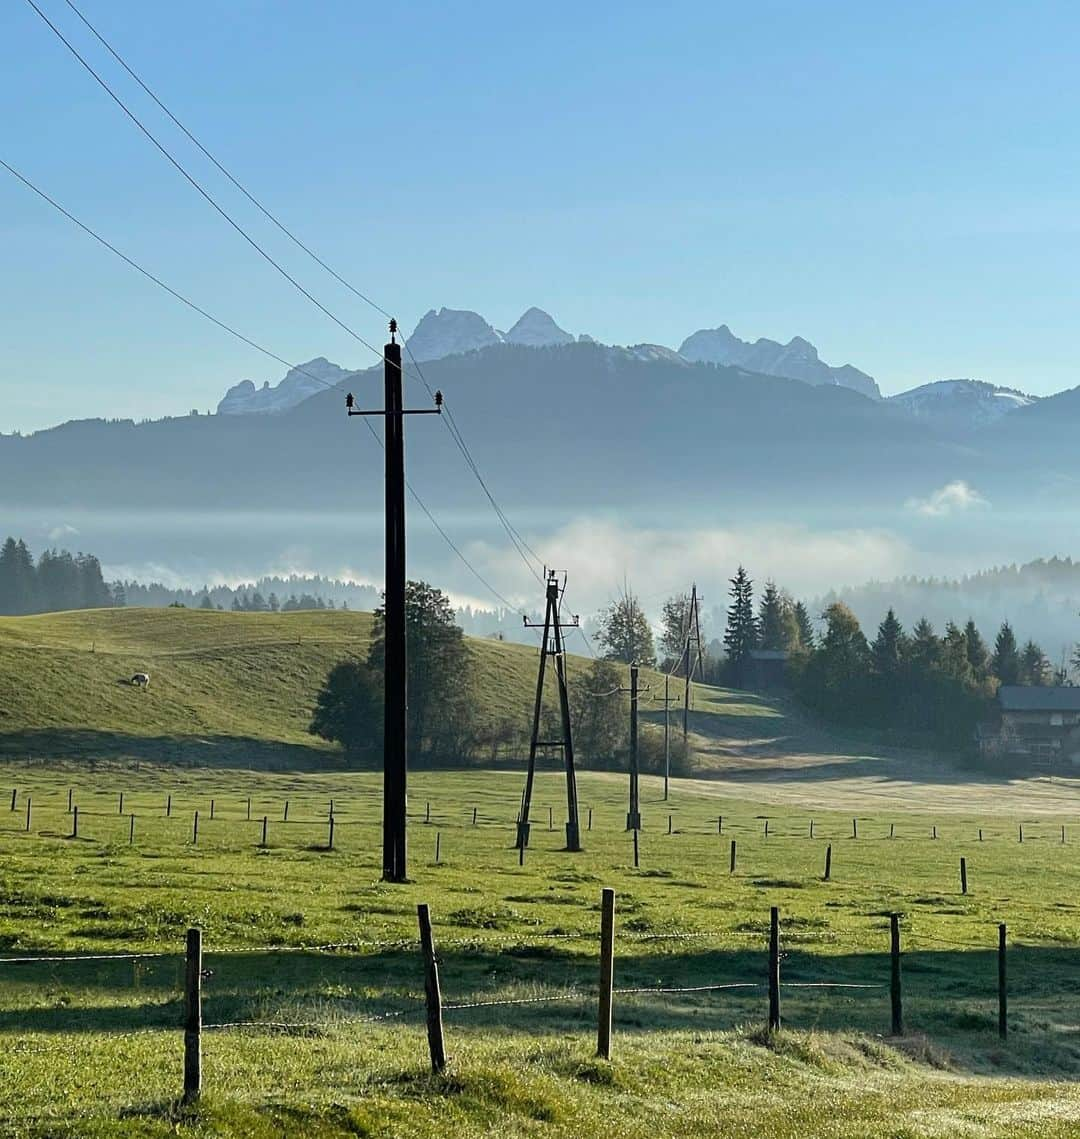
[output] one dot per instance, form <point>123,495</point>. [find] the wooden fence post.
<point>811,828</point>
<point>474,816</point>
<point>895,995</point>
<point>1003,995</point>
<point>438,845</point>
<point>980,834</point>
<point>75,821</point>
<point>131,831</point>
<point>669,824</point>
<point>766,828</point>
<point>263,843</point>
<point>774,969</point>
<point>854,828</point>
<point>635,848</point>
<point>731,868</point>
<point>551,819</point>
<point>590,818</point>
<point>28,802</point>
<point>193,1017</point>
<point>719,824</point>
<point>249,810</point>
<point>195,831</point>
<point>285,813</point>
<point>427,814</point>
<point>892,830</point>
<point>168,807</point>
<point>436,1044</point>
<point>330,844</point>
<point>120,806</point>
<point>1021,832</point>
<point>14,793</point>
<point>69,800</point>
<point>934,835</point>
<point>211,808</point>
<point>963,875</point>
<point>607,972</point>
<point>828,862</point>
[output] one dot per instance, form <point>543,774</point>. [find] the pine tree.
<point>740,636</point>
<point>977,653</point>
<point>18,579</point>
<point>953,659</point>
<point>94,593</point>
<point>1005,663</point>
<point>206,603</point>
<point>924,648</point>
<point>804,625</point>
<point>1034,667</point>
<point>889,649</point>
<point>772,631</point>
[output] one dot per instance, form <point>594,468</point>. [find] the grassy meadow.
<point>330,1041</point>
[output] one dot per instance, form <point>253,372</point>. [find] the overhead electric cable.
<point>252,344</point>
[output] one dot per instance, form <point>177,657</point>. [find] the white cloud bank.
<point>952,498</point>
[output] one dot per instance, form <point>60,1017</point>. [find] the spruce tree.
<point>1034,667</point>
<point>741,634</point>
<point>18,579</point>
<point>805,627</point>
<point>1005,663</point>
<point>977,653</point>
<point>772,632</point>
<point>889,648</point>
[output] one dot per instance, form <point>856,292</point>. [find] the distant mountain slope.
<point>299,383</point>
<point>616,411</point>
<point>961,405</point>
<point>797,360</point>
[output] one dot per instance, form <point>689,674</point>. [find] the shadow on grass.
<point>950,996</point>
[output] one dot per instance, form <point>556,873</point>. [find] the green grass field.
<point>93,1048</point>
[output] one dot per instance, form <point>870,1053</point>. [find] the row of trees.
<point>917,682</point>
<point>57,580</point>
<point>451,713</point>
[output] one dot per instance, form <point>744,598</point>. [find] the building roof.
<point>1025,698</point>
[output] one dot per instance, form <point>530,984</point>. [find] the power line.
<point>252,344</point>
<point>519,543</point>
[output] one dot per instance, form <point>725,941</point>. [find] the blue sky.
<point>894,182</point>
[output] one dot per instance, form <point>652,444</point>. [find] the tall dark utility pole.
<point>633,816</point>
<point>552,646</point>
<point>395,696</point>
<point>692,662</point>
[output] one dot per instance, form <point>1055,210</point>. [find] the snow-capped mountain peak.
<point>963,404</point>
<point>536,329</point>
<point>298,384</point>
<point>448,332</point>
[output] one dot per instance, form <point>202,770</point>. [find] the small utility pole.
<point>395,724</point>
<point>668,701</point>
<point>691,660</point>
<point>552,646</point>
<point>633,816</point>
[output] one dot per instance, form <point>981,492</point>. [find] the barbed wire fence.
<point>604,996</point>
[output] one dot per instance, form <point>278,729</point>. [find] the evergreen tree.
<point>772,630</point>
<point>1005,663</point>
<point>836,679</point>
<point>119,594</point>
<point>624,634</point>
<point>804,625</point>
<point>94,593</point>
<point>600,725</point>
<point>59,585</point>
<point>954,661</point>
<point>924,648</point>
<point>1034,667</point>
<point>206,603</point>
<point>977,653</point>
<point>18,579</point>
<point>273,602</point>
<point>236,606</point>
<point>258,603</point>
<point>889,649</point>
<point>741,634</point>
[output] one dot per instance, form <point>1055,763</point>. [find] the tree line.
<point>57,580</point>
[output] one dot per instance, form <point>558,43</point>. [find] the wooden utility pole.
<point>692,656</point>
<point>395,727</point>
<point>633,815</point>
<point>552,646</point>
<point>668,701</point>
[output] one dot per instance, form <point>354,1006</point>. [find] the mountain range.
<point>953,405</point>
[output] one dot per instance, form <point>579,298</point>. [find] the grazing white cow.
<point>141,680</point>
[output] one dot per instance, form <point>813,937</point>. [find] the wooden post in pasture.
<point>854,828</point>
<point>474,816</point>
<point>249,810</point>
<point>131,831</point>
<point>70,793</point>
<point>980,834</point>
<point>75,821</point>
<point>719,824</point>
<point>607,972</point>
<point>766,828</point>
<point>895,995</point>
<point>636,852</point>
<point>438,846</point>
<point>811,828</point>
<point>427,814</point>
<point>168,807</point>
<point>590,818</point>
<point>551,819</point>
<point>774,969</point>
<point>193,1017</point>
<point>120,805</point>
<point>265,821</point>
<point>14,794</point>
<point>195,831</point>
<point>332,806</point>
<point>828,862</point>
<point>1063,833</point>
<point>1021,832</point>
<point>963,875</point>
<point>1003,995</point>
<point>731,868</point>
<point>211,808</point>
<point>432,993</point>
<point>669,824</point>
<point>28,803</point>
<point>934,834</point>
<point>892,830</point>
<point>285,813</point>
<point>330,841</point>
